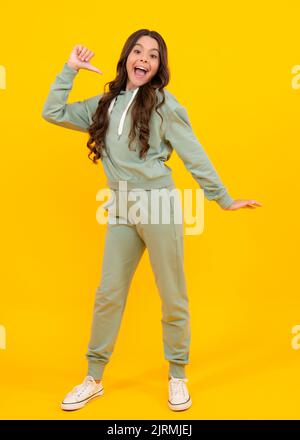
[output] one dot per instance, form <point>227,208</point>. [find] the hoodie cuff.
<point>225,201</point>
<point>69,70</point>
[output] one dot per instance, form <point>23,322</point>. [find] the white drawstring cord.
<point>122,120</point>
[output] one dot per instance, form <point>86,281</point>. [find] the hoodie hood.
<point>123,92</point>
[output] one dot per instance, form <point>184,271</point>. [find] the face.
<point>144,54</point>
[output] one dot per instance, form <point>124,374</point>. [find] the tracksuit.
<point>126,239</point>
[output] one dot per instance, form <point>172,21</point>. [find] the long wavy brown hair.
<point>145,100</point>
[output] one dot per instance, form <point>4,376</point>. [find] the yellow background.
<point>231,67</point>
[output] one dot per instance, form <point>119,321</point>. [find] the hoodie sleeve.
<point>75,116</point>
<point>181,137</point>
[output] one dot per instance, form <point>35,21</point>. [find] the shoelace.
<point>79,389</point>
<point>177,385</point>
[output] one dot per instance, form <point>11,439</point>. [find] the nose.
<point>143,59</point>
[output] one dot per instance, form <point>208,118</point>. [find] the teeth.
<point>143,68</point>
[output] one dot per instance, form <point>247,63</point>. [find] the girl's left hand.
<point>237,204</point>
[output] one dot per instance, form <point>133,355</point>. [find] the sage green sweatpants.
<point>125,241</point>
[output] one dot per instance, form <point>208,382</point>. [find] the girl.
<point>133,130</point>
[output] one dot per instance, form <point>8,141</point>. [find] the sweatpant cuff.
<point>96,369</point>
<point>177,370</point>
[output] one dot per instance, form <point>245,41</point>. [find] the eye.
<point>137,50</point>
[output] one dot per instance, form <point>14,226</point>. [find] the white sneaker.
<point>179,398</point>
<point>81,394</point>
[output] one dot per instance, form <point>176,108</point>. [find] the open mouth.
<point>140,73</point>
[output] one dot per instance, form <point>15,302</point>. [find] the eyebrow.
<point>138,44</point>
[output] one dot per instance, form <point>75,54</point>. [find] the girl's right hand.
<point>80,59</point>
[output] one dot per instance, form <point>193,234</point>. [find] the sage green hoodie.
<point>118,161</point>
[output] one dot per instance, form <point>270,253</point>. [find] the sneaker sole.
<point>180,406</point>
<point>78,405</point>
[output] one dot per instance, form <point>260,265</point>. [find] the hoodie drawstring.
<point>122,120</point>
